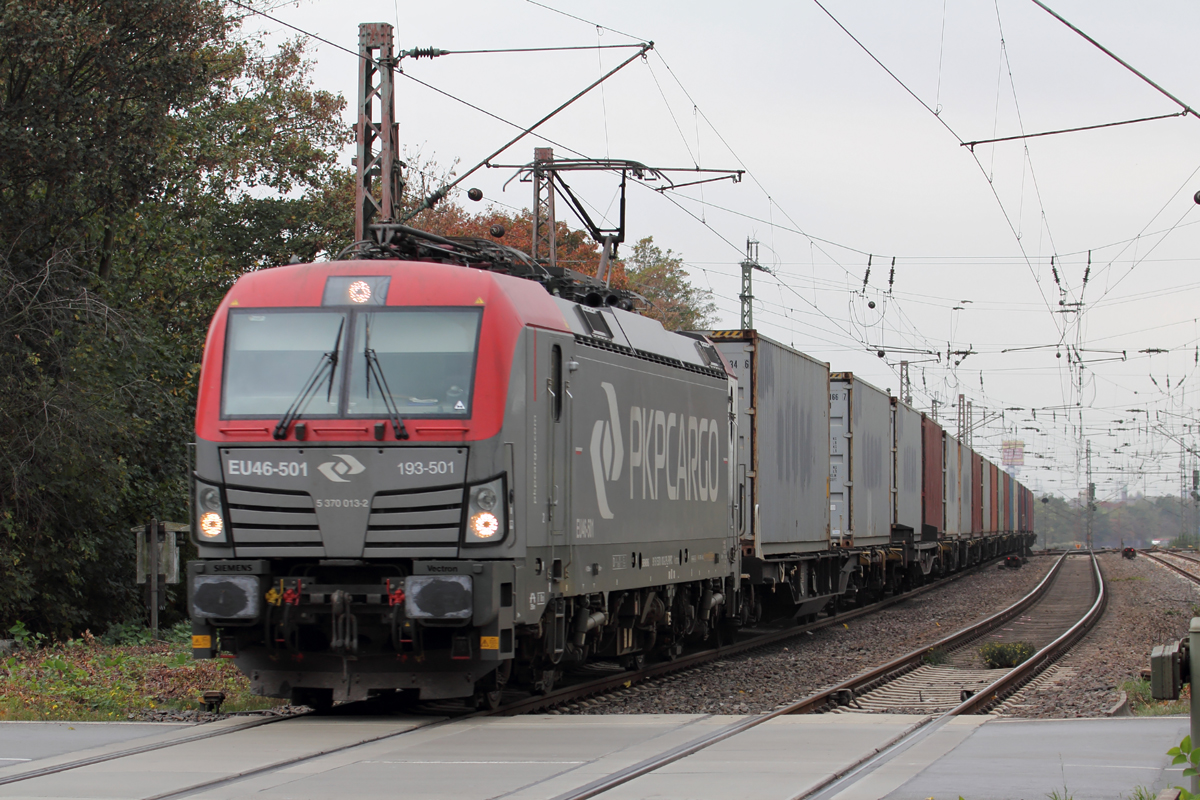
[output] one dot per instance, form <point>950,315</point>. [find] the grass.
<point>1143,705</point>
<point>997,655</point>
<point>1139,793</point>
<point>88,679</point>
<point>935,656</point>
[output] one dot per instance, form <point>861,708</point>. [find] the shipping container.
<point>1010,515</point>
<point>988,494</point>
<point>977,501</point>
<point>933,479</point>
<point>906,468</point>
<point>953,520</point>
<point>994,492</point>
<point>1020,492</point>
<point>781,481</point>
<point>859,457</point>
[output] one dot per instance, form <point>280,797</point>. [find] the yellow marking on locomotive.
<point>275,595</point>
<point>201,642</point>
<point>478,301</point>
<point>489,642</point>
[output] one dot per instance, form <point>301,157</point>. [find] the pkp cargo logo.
<point>608,453</point>
<point>334,470</point>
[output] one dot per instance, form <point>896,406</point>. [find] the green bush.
<point>1005,655</point>
<point>935,656</point>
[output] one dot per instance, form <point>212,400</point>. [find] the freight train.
<point>446,468</point>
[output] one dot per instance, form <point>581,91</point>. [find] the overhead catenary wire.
<point>894,324</point>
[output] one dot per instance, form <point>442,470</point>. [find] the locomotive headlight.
<point>360,292</point>
<point>211,525</point>
<point>210,499</point>
<point>485,498</point>
<point>487,519</point>
<point>208,526</point>
<point>484,525</point>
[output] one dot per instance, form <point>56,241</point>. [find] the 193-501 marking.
<point>426,467</point>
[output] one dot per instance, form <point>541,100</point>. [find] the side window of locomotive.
<point>271,354</point>
<point>425,358</point>
<point>556,387</point>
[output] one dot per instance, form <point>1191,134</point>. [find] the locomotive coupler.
<point>344,638</point>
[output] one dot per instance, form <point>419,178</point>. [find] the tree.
<point>657,276</point>
<point>661,279</point>
<point>147,158</point>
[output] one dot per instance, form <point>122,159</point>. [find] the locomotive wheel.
<point>634,662</point>
<point>489,691</point>
<point>545,684</point>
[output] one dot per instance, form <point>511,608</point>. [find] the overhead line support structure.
<point>546,174</point>
<point>749,264</point>
<point>378,184</point>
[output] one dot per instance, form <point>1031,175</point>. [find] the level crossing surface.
<point>551,756</point>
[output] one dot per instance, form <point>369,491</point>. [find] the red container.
<point>932,509</point>
<point>977,495</point>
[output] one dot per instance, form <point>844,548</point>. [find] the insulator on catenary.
<point>424,52</point>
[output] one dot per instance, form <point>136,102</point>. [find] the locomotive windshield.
<point>425,359</point>
<point>271,355</point>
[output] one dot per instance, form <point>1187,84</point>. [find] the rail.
<point>620,680</point>
<point>1158,558</point>
<point>992,694</point>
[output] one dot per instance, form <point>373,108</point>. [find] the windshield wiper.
<point>329,361</point>
<point>375,371</point>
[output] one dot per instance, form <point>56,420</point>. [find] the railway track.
<point>1055,622</point>
<point>234,737</point>
<point>958,672</point>
<point>615,680</point>
<point>1186,565</point>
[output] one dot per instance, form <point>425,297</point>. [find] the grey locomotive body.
<point>548,483</point>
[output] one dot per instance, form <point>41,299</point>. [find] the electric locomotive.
<point>447,467</point>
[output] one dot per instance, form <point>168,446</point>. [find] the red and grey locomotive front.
<point>353,505</point>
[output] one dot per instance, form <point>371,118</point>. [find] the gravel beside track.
<point>760,680</point>
<point>1148,605</point>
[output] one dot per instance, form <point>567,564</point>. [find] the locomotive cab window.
<point>425,359</point>
<point>270,356</point>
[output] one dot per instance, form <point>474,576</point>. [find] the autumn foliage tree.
<point>149,155</point>
<point>657,276</point>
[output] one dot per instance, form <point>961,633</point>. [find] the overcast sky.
<point>839,151</point>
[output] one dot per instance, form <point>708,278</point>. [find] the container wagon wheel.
<point>319,700</point>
